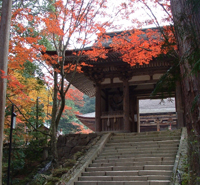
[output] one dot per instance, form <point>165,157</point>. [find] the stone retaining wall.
<point>70,144</point>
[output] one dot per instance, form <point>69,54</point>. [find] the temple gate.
<point>118,87</point>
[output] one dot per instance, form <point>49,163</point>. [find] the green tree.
<point>89,105</point>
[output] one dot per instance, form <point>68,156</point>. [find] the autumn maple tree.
<point>70,24</point>
<point>26,82</point>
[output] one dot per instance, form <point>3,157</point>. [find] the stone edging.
<point>69,179</point>
<point>181,151</point>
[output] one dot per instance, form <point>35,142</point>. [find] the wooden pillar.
<point>179,106</point>
<point>98,109</point>
<point>133,112</point>
<point>138,117</point>
<point>157,121</point>
<point>127,127</point>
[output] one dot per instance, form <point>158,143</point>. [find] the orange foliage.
<point>138,45</point>
<point>169,43</point>
<point>23,46</point>
<point>75,95</point>
<point>134,46</point>
<point>23,93</point>
<point>96,52</point>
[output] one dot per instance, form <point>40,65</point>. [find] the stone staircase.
<point>134,159</point>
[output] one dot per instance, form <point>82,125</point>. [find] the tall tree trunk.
<point>186,16</point>
<point>187,26</point>
<point>4,43</point>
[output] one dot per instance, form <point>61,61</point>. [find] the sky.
<point>141,13</point>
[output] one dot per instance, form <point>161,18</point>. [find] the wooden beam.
<point>136,72</point>
<point>143,82</point>
<point>133,110</point>
<point>145,93</point>
<point>138,117</point>
<point>114,85</point>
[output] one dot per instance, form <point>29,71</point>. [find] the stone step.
<point>114,168</point>
<point>132,163</point>
<point>146,146</point>
<point>141,135</point>
<point>124,168</point>
<point>157,147</point>
<point>128,173</point>
<point>115,178</point>
<point>124,178</point>
<point>139,148</point>
<point>151,182</point>
<point>136,151</point>
<point>146,134</point>
<point>111,173</point>
<point>155,154</point>
<point>135,159</point>
<point>176,132</point>
<point>142,150</point>
<point>158,167</point>
<point>143,143</point>
<point>130,150</point>
<point>144,139</point>
<point>155,172</point>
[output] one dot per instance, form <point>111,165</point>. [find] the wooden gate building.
<point>118,87</point>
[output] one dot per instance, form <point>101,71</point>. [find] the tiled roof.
<point>148,106</point>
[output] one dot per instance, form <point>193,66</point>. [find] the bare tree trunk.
<point>56,115</point>
<point>4,43</point>
<point>186,15</point>
<point>53,120</point>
